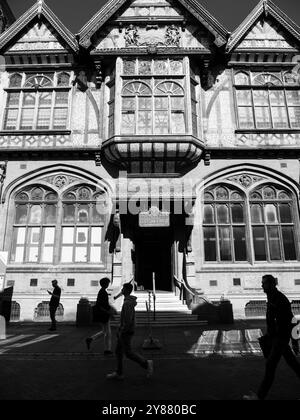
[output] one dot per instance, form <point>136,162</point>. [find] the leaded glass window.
<point>34,226</point>
<point>153,106</point>
<point>267,101</point>
<point>153,97</point>
<point>273,225</point>
<point>268,234</point>
<point>37,102</point>
<point>224,225</point>
<point>65,229</point>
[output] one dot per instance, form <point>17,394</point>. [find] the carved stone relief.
<point>153,35</point>
<point>268,139</point>
<point>3,21</point>
<point>173,36</point>
<point>131,36</point>
<point>246,180</point>
<point>60,181</point>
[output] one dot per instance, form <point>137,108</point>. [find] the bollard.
<point>2,328</point>
<point>84,313</point>
<point>225,312</point>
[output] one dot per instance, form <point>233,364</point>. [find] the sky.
<point>76,13</point>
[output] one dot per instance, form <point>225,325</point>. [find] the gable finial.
<point>266,7</point>
<point>40,4</point>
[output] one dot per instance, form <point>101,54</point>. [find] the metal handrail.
<point>190,290</point>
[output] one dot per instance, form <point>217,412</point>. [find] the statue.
<point>3,21</point>
<point>81,80</point>
<point>173,36</point>
<point>3,170</point>
<point>131,36</point>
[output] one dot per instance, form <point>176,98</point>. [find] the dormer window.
<point>267,100</point>
<point>37,102</point>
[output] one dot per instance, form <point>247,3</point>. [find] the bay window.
<point>154,95</point>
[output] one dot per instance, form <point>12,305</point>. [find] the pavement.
<point>221,362</point>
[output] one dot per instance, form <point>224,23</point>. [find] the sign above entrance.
<point>154,218</point>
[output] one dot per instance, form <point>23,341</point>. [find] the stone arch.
<point>259,174</point>
<point>40,177</point>
<point>256,308</point>
<point>15,311</point>
<point>32,177</point>
<point>42,313</point>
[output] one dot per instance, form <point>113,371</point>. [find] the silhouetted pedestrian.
<point>102,313</point>
<point>125,335</point>
<point>277,340</point>
<point>54,303</point>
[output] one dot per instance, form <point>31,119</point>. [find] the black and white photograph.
<point>149,204</point>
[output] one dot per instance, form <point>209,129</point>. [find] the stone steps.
<point>169,311</point>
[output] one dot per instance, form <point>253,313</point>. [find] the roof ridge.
<point>112,6</point>
<point>268,8</point>
<point>38,9</point>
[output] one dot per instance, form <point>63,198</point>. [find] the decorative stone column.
<point>3,206</point>
<point>117,252</point>
<point>127,260</point>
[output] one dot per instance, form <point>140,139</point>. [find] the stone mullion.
<point>58,234</point>
<point>118,97</point>
<point>249,232</point>
<point>53,102</point>
<point>188,98</point>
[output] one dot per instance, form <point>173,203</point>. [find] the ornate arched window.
<point>37,102</point>
<point>50,228</point>
<point>273,224</point>
<point>259,226</point>
<point>137,108</point>
<point>153,97</point>
<point>15,311</point>
<point>224,225</point>
<point>63,79</point>
<point>15,80</point>
<point>242,78</point>
<point>82,226</point>
<point>169,108</point>
<point>34,226</point>
<point>267,100</point>
<point>42,312</point>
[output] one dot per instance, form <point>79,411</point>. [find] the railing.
<point>188,294</point>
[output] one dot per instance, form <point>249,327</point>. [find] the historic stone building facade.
<point>150,100</point>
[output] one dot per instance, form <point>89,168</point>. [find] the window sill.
<point>268,131</point>
<point>149,138</point>
<point>42,268</point>
<point>34,132</point>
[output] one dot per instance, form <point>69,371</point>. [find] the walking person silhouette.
<point>102,313</point>
<point>125,335</point>
<point>277,340</point>
<point>54,303</point>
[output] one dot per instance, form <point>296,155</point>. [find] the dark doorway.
<point>153,255</point>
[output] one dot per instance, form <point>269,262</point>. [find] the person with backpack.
<point>102,312</point>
